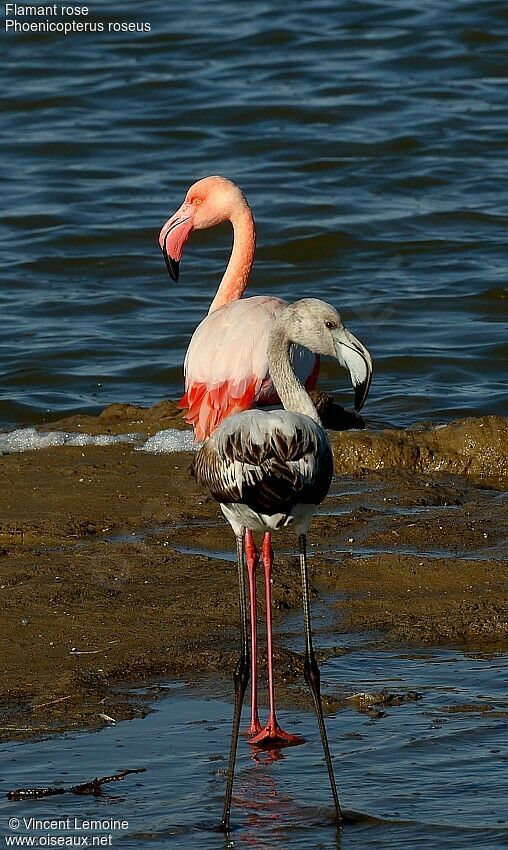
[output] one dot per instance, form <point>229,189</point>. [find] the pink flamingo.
<point>226,365</point>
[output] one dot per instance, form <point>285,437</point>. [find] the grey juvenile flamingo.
<point>269,470</point>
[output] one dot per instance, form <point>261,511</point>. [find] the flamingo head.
<point>207,203</point>
<point>318,326</point>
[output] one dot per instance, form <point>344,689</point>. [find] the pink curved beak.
<point>173,237</point>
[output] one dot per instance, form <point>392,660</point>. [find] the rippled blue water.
<point>427,774</point>
<point>369,137</point>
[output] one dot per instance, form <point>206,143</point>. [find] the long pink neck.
<point>236,276</point>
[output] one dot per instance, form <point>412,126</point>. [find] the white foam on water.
<point>29,439</point>
<point>171,440</point>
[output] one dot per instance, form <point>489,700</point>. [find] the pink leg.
<point>252,557</point>
<point>272,735</point>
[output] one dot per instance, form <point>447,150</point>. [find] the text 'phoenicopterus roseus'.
<point>226,365</point>
<point>269,470</point>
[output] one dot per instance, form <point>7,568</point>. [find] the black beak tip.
<point>173,266</point>
<point>361,393</point>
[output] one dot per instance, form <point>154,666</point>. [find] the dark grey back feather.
<point>268,461</point>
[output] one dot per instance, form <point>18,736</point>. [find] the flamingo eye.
<point>330,325</point>
<point>197,201</point>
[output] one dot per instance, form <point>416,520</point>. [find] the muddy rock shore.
<point>117,570</point>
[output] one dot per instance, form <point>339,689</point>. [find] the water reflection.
<point>424,773</point>
<point>269,815</point>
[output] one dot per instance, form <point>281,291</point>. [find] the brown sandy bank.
<point>115,568</point>
<point>476,446</point>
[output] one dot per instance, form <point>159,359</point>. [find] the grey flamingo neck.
<point>290,390</point>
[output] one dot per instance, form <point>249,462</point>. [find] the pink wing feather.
<point>226,366</point>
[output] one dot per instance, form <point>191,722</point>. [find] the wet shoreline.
<point>118,571</point>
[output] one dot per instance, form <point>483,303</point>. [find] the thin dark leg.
<point>271,735</point>
<point>240,679</point>
<point>312,675</point>
<point>252,558</point>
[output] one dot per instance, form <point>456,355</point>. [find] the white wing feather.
<point>230,345</point>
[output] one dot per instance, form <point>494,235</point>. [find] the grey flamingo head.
<point>318,326</point>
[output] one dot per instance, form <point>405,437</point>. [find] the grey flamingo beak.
<point>354,356</point>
